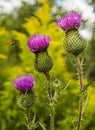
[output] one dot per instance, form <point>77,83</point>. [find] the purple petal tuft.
<point>24,83</point>
<point>70,21</point>
<point>38,42</point>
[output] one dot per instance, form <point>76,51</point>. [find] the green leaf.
<point>85,104</point>
<point>42,126</point>
<point>85,87</point>
<point>35,125</point>
<point>34,118</point>
<point>67,85</point>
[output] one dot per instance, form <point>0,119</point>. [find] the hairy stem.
<point>52,119</point>
<point>81,95</point>
<point>51,102</point>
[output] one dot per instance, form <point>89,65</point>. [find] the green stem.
<point>28,119</point>
<point>52,119</point>
<point>51,102</point>
<point>81,95</point>
<point>49,87</point>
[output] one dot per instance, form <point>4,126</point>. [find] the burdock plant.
<point>75,45</point>
<point>26,98</point>
<point>38,44</point>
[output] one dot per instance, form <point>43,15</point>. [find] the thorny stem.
<point>81,95</point>
<point>28,119</point>
<point>49,87</point>
<point>51,102</point>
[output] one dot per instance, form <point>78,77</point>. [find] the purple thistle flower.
<point>38,43</point>
<point>70,21</point>
<point>24,83</point>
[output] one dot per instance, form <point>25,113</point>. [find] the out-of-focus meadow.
<point>17,60</point>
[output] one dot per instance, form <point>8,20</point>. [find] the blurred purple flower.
<point>24,83</point>
<point>70,21</point>
<point>38,43</point>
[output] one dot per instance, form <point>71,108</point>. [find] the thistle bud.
<point>74,42</point>
<point>26,100</point>
<point>43,62</point>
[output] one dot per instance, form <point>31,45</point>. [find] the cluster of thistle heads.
<point>39,43</point>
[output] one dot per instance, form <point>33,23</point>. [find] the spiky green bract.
<point>43,62</point>
<point>26,100</point>
<point>74,43</point>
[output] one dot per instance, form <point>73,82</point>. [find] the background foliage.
<point>17,60</point>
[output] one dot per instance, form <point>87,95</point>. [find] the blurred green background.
<point>16,59</point>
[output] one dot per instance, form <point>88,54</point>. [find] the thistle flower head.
<point>70,21</point>
<point>24,83</point>
<point>38,43</point>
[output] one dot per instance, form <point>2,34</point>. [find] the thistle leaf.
<point>42,126</point>
<point>85,87</point>
<point>34,119</point>
<point>85,104</point>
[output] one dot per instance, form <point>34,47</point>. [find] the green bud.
<point>74,43</point>
<point>26,100</point>
<point>43,62</point>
